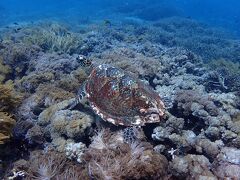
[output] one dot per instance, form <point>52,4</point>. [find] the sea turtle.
<point>119,98</point>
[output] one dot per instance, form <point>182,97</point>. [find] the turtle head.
<point>151,108</point>
<point>84,61</point>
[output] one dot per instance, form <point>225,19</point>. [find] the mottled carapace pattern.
<point>119,98</point>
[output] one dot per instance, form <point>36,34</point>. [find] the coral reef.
<point>207,42</point>
<point>6,125</point>
<point>197,138</point>
<point>225,75</point>
<point>137,160</point>
<point>50,37</point>
<point>192,167</point>
<point>227,163</point>
<point>8,102</point>
<point>9,98</point>
<point>49,165</point>
<point>5,70</point>
<point>75,151</point>
<point>64,125</point>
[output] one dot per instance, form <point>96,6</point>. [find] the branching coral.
<point>7,103</point>
<point>53,37</point>
<point>50,165</point>
<point>8,98</point>
<point>17,56</point>
<point>110,158</point>
<point>227,75</point>
<point>45,167</point>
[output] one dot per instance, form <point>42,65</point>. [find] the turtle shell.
<point>121,99</point>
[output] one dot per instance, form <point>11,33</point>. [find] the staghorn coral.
<point>207,42</point>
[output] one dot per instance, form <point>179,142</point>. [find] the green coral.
<point>232,67</point>
<point>53,37</point>
<point>229,73</point>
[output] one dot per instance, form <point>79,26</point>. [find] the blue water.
<point>219,13</point>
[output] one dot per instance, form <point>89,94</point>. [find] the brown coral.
<point>8,98</point>
<point>8,101</point>
<point>4,70</point>
<point>110,158</point>
<point>50,165</point>
<point>6,125</point>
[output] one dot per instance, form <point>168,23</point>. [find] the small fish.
<point>107,22</point>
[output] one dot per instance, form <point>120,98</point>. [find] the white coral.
<point>75,150</point>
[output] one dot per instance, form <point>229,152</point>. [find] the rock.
<point>192,167</point>
<point>227,163</point>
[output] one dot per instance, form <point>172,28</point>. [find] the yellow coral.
<point>6,125</point>
<point>53,37</point>
<point>8,100</point>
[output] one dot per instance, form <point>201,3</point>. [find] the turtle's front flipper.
<point>80,98</point>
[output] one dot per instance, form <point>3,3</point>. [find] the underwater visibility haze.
<point>119,89</point>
